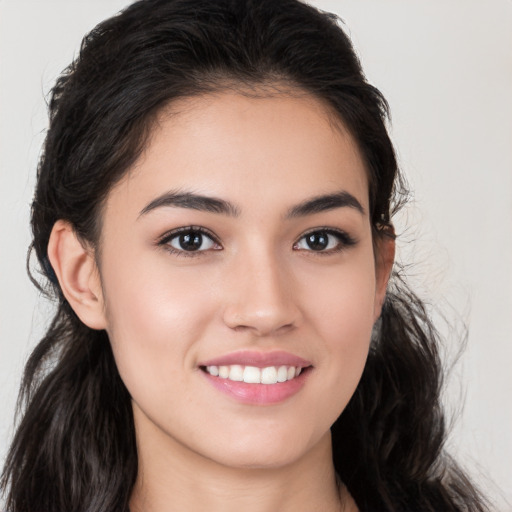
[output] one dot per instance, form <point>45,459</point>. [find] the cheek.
<point>342,316</point>
<point>153,318</point>
<point>341,300</point>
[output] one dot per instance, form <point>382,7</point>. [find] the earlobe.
<point>385,257</point>
<point>77,273</point>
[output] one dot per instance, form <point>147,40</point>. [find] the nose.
<point>261,297</point>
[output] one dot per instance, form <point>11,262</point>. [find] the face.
<point>240,244</point>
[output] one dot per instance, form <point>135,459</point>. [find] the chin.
<point>258,459</point>
<point>268,449</point>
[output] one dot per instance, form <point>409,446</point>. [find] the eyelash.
<point>343,238</point>
<point>165,240</point>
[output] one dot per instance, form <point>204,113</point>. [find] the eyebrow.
<point>193,202</point>
<point>324,203</point>
<point>199,202</point>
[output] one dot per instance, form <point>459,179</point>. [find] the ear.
<point>384,259</point>
<point>78,275</point>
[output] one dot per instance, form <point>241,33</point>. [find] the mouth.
<point>259,378</point>
<point>267,375</point>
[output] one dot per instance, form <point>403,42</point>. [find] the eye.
<point>189,240</point>
<point>324,240</point>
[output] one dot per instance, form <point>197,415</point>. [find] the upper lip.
<point>258,359</point>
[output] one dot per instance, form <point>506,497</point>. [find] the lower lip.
<point>259,394</point>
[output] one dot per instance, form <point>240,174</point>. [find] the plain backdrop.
<point>445,67</point>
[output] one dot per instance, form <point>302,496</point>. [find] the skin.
<point>259,286</point>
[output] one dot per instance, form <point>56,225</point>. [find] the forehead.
<point>283,147</point>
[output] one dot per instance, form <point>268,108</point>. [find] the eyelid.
<point>184,229</point>
<point>164,239</point>
<point>345,239</point>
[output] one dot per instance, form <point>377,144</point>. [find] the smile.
<point>253,374</point>
<point>257,378</point>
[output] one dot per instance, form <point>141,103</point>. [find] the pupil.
<point>191,241</point>
<point>317,241</point>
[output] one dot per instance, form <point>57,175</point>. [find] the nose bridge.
<point>262,294</point>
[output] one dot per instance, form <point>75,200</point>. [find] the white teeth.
<point>236,373</point>
<point>269,375</point>
<point>254,375</point>
<point>213,370</point>
<point>282,374</point>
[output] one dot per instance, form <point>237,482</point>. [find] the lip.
<point>258,394</point>
<point>258,359</point>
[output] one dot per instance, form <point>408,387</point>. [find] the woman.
<point>213,213</point>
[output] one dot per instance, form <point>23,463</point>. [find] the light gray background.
<point>446,68</point>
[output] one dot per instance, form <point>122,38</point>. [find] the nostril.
<point>261,322</point>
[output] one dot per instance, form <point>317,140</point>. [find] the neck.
<point>173,478</point>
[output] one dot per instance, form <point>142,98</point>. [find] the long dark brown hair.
<point>74,449</point>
